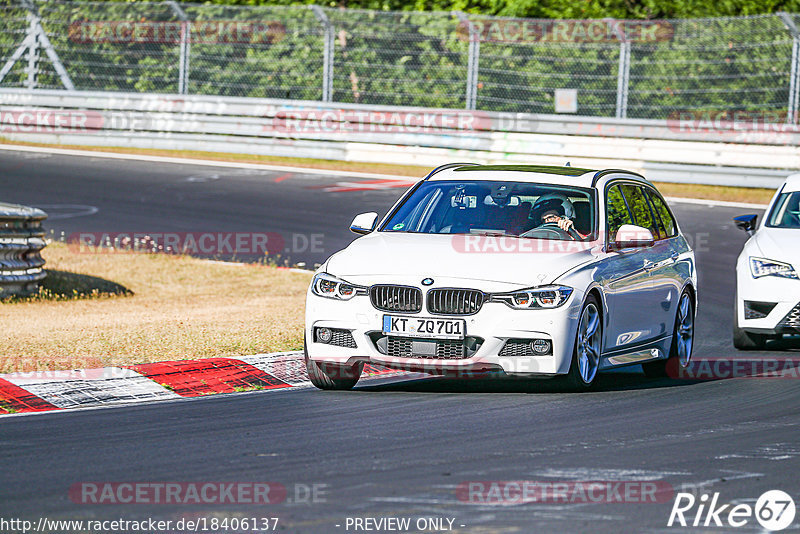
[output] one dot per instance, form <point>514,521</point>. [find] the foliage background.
<point>563,9</point>
<point>419,58</point>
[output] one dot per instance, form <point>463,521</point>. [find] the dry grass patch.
<point>750,195</point>
<point>114,309</point>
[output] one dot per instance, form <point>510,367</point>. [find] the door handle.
<point>648,265</point>
<point>675,256</point>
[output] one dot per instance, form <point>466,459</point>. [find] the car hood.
<point>779,244</point>
<point>503,261</point>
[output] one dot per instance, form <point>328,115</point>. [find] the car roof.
<point>792,183</point>
<point>559,175</point>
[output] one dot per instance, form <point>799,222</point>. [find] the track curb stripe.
<point>89,387</point>
<point>42,391</point>
<point>291,368</point>
<point>194,378</point>
<point>14,399</point>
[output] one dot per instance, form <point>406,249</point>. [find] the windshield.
<point>786,212</point>
<point>521,209</point>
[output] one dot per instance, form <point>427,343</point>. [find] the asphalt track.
<point>394,448</point>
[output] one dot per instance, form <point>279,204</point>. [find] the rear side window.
<point>640,207</point>
<point>663,213</point>
<point>617,211</point>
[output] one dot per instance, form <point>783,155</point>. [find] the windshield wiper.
<point>490,233</point>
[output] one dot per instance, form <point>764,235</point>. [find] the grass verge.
<point>137,307</point>
<point>709,192</point>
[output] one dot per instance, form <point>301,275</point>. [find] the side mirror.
<point>746,223</point>
<point>364,223</point>
<point>631,236</point>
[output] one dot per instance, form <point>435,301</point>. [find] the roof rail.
<point>447,166</point>
<point>600,174</point>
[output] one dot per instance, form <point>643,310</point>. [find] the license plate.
<point>429,327</point>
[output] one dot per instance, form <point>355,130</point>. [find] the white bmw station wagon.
<point>508,270</point>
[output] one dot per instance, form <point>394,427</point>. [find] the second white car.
<point>768,272</point>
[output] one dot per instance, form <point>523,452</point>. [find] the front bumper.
<point>494,325</point>
<point>768,305</point>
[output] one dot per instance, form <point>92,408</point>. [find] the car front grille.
<point>396,298</point>
<point>792,319</point>
<point>441,349</point>
<point>455,301</point>
<point>517,347</point>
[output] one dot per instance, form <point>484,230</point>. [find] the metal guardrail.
<point>21,243</point>
<point>216,108</point>
<point>722,155</point>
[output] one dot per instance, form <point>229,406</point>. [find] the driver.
<point>555,208</point>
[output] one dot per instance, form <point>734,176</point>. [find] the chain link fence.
<point>602,68</point>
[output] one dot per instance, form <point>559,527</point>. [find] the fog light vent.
<point>757,310</point>
<point>334,336</point>
<point>527,347</point>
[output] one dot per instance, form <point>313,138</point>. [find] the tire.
<point>331,376</point>
<point>587,348</point>
<point>743,340</point>
<point>680,352</point>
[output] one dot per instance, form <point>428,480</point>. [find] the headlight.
<point>762,267</point>
<point>535,297</point>
<point>331,287</point>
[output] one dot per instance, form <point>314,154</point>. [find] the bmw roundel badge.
<point>427,281</point>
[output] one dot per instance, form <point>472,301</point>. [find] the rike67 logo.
<point>774,510</point>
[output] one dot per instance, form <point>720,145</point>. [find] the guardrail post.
<point>185,47</point>
<point>32,68</point>
<point>623,75</point>
<point>794,83</point>
<point>623,80</point>
<point>624,69</point>
<point>794,74</point>
<point>473,60</point>
<point>327,53</point>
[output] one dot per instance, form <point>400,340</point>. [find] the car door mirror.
<point>746,223</point>
<point>364,223</point>
<point>631,236</point>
